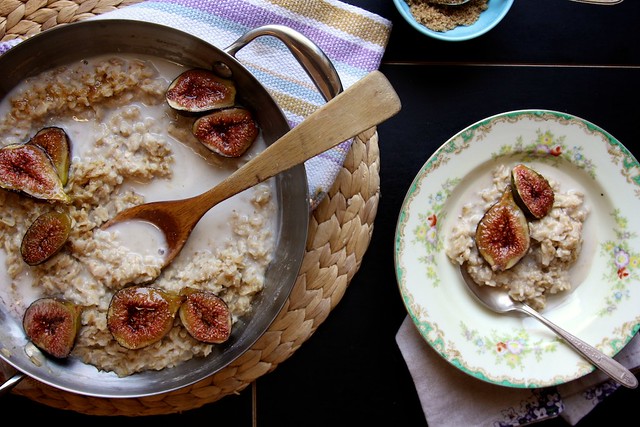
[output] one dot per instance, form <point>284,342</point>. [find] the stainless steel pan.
<point>89,38</point>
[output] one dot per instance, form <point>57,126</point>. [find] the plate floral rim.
<point>620,255</point>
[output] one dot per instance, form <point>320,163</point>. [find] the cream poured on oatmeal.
<point>129,147</point>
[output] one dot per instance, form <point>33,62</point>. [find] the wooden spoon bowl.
<point>365,104</point>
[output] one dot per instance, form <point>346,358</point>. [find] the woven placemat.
<point>340,230</point>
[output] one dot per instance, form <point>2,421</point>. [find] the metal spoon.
<point>362,106</point>
<point>9,384</point>
<point>498,300</point>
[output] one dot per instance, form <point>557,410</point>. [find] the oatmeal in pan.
<point>128,147</point>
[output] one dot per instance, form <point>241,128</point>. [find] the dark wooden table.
<point>547,54</point>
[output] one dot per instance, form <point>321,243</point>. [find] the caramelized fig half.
<point>52,325</point>
<point>45,237</point>
<point>55,142</point>
<point>139,316</point>
<point>502,235</point>
<point>531,191</point>
<point>27,168</point>
<point>205,316</point>
<point>229,132</point>
<point>199,90</point>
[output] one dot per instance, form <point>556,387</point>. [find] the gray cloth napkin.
<point>450,397</point>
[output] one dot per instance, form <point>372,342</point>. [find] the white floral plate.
<point>603,307</point>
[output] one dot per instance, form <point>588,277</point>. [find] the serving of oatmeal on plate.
<point>128,147</point>
<point>555,243</point>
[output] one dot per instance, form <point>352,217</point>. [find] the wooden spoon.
<point>362,106</point>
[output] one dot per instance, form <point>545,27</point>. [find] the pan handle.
<point>308,54</point>
<point>11,383</point>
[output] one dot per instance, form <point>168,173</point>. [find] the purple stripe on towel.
<point>251,16</point>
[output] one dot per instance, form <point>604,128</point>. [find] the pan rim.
<point>291,188</point>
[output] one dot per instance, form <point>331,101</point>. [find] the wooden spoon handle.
<point>363,105</point>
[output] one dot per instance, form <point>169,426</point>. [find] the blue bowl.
<point>488,19</point>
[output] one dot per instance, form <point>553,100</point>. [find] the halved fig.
<point>531,191</point>
<point>139,316</point>
<point>45,237</point>
<point>205,316</point>
<point>27,168</point>
<point>55,142</point>
<point>52,325</point>
<point>199,90</point>
<point>502,235</point>
<point>229,132</point>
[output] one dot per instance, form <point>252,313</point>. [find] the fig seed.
<point>52,325</point>
<point>200,90</point>
<point>55,142</point>
<point>45,237</point>
<point>532,192</point>
<point>205,316</point>
<point>27,168</point>
<point>139,316</point>
<point>229,132</point>
<point>502,235</point>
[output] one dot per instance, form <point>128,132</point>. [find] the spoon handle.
<point>365,104</point>
<point>607,364</point>
<point>11,383</point>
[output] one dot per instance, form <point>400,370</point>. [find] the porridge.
<point>556,242</point>
<point>128,147</point>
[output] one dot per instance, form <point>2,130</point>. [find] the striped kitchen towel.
<point>353,39</point>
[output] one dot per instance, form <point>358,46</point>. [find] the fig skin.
<point>502,235</point>
<point>200,90</point>
<point>229,132</point>
<point>28,169</point>
<point>532,192</point>
<point>55,142</point>
<point>205,316</point>
<point>139,316</point>
<point>45,237</point>
<point>52,325</point>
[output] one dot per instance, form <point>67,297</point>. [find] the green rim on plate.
<point>603,306</point>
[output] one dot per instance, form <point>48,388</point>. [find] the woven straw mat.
<point>339,234</point>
